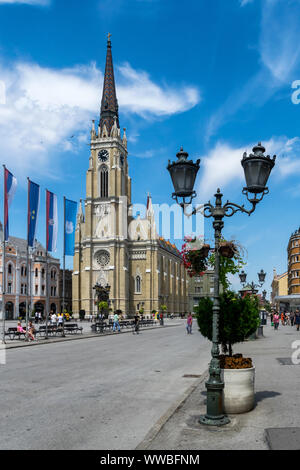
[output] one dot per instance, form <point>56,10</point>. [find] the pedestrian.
<point>31,331</point>
<point>189,323</point>
<point>276,321</point>
<point>292,318</point>
<point>36,317</point>
<point>53,319</point>
<point>116,323</point>
<point>60,319</point>
<point>297,319</point>
<point>136,323</point>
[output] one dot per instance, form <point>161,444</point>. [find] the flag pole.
<point>27,262</point>
<point>47,273</point>
<point>3,265</point>
<point>64,269</point>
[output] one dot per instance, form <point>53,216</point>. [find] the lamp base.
<point>214,421</point>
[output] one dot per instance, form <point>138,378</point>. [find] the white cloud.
<point>222,166</point>
<point>140,95</point>
<point>48,110</point>
<point>27,2</point>
<point>279,39</point>
<point>245,2</point>
<point>279,61</point>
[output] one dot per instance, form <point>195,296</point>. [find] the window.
<point>9,288</point>
<point>36,290</point>
<point>43,273</point>
<point>9,269</point>
<point>138,284</point>
<point>22,271</point>
<point>22,288</point>
<point>36,272</point>
<point>198,290</point>
<point>103,181</point>
<point>43,290</point>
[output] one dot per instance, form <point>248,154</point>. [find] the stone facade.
<point>201,286</point>
<point>17,292</point>
<point>293,252</point>
<point>111,247</point>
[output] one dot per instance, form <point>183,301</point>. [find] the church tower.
<point>101,251</point>
<point>112,248</point>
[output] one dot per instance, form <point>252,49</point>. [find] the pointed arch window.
<point>103,181</point>
<point>138,284</point>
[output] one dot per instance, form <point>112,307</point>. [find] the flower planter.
<point>238,394</point>
<point>227,249</point>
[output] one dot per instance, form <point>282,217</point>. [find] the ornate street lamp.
<point>183,172</point>
<point>253,287</point>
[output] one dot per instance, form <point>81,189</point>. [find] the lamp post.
<point>254,287</point>
<point>183,172</point>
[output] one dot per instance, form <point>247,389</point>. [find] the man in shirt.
<point>116,323</point>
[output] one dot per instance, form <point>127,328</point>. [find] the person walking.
<point>297,319</point>
<point>136,324</point>
<point>276,321</point>
<point>292,318</point>
<point>116,323</point>
<point>189,323</point>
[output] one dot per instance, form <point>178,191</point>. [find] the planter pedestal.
<point>238,391</point>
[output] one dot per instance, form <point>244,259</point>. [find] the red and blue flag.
<point>52,220</point>
<point>33,210</point>
<point>10,185</point>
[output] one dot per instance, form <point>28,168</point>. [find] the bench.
<point>73,328</point>
<point>13,332</point>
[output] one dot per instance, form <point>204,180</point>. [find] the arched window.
<point>36,272</point>
<point>138,284</point>
<point>9,269</point>
<point>103,181</point>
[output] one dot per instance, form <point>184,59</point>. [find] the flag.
<point>33,210</point>
<point>10,185</point>
<point>52,220</point>
<point>70,226</point>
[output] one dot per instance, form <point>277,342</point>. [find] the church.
<point>113,248</point>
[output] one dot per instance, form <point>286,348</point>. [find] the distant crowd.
<point>285,318</point>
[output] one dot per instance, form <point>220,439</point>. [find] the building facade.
<point>293,252</point>
<point>279,286</point>
<point>199,287</point>
<point>68,290</point>
<point>111,247</point>
<point>17,290</point>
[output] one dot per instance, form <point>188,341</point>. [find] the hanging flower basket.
<point>204,251</point>
<point>197,261</point>
<point>227,249</point>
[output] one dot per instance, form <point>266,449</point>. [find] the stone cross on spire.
<point>109,103</point>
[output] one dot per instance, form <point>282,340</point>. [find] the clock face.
<point>103,155</point>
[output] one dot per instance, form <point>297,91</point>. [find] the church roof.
<point>167,245</point>
<point>21,245</point>
<point>109,103</point>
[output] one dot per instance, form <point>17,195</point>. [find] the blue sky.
<point>213,76</point>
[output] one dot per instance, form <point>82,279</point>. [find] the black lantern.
<point>257,168</point>
<point>261,276</point>
<point>243,277</point>
<point>183,173</point>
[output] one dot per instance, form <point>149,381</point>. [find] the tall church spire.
<point>109,103</point>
